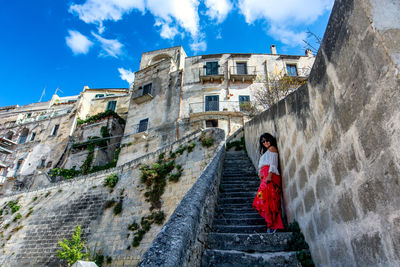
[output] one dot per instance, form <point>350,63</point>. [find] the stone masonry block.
<point>346,207</point>
<point>303,178</point>
<point>324,186</point>
<point>314,162</point>
<point>368,250</point>
<point>309,200</point>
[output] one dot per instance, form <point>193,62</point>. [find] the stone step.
<point>240,173</point>
<point>249,242</point>
<point>238,188</point>
<point>250,229</point>
<point>228,184</point>
<point>248,194</point>
<point>242,221</point>
<point>225,258</point>
<point>244,181</point>
<point>236,200</point>
<point>238,215</point>
<point>228,210</point>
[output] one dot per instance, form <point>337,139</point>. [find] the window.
<point>244,101</point>
<point>41,164</point>
<point>147,89</point>
<point>9,135</point>
<point>29,115</point>
<point>19,164</point>
<point>49,164</point>
<point>211,123</point>
<point>32,137</point>
<point>111,105</point>
<point>24,135</point>
<point>211,68</point>
<point>241,68</point>
<point>11,123</point>
<point>291,70</point>
<point>212,103</point>
<point>143,125</point>
<point>55,129</point>
<point>99,96</point>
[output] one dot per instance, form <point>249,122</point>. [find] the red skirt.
<point>268,200</point>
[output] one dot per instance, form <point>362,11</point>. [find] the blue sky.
<point>68,44</point>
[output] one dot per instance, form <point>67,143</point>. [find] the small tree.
<point>277,86</point>
<point>71,250</point>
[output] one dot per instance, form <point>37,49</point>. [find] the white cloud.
<point>97,11</point>
<point>78,43</point>
<point>168,32</point>
<point>126,75</point>
<point>218,9</point>
<point>198,46</point>
<point>283,15</point>
<point>111,47</point>
<point>284,11</point>
<point>183,12</point>
<point>287,36</point>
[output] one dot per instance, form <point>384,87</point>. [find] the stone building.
<point>174,95</point>
<point>38,137</point>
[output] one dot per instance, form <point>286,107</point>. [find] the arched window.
<point>23,136</point>
<point>9,135</point>
<point>158,58</point>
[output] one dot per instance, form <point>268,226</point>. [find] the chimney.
<point>85,87</point>
<point>309,53</point>
<point>273,50</point>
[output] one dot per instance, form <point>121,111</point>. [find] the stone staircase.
<point>239,234</point>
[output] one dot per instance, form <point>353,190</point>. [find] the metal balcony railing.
<point>302,72</point>
<point>219,71</point>
<point>140,128</point>
<point>242,70</point>
<point>210,106</point>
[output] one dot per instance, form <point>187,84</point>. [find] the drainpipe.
<point>179,107</point>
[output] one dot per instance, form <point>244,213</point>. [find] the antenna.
<point>58,89</point>
<point>43,93</point>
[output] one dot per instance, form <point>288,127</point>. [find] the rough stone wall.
<point>338,138</point>
<point>59,208</point>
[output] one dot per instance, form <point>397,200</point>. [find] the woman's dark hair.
<point>269,138</point>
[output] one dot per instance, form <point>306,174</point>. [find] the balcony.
<point>211,74</point>
<point>217,108</point>
<point>142,95</point>
<point>242,73</point>
<point>300,74</point>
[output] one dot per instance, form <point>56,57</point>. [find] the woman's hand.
<point>269,178</point>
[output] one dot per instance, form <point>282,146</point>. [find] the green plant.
<point>298,243</point>
<point>17,217</point>
<point>29,212</point>
<point>102,115</point>
<point>111,180</point>
<point>71,250</point>
<point>6,226</point>
<point>48,194</point>
<point>145,226</point>
<point>118,208</point>
<point>13,205</point>
<point>191,146</point>
<point>66,173</point>
<point>35,198</point>
<point>17,228</point>
<point>108,259</point>
<point>207,141</point>
<point>109,203</point>
<point>59,190</point>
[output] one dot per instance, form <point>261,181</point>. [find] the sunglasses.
<point>263,141</point>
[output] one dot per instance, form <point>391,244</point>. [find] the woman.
<point>267,201</point>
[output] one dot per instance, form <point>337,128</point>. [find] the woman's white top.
<point>271,159</point>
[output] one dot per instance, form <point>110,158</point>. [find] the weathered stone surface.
<point>324,186</point>
<point>309,200</point>
<point>348,133</point>
<point>368,249</point>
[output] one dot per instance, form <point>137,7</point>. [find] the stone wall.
<point>338,138</point>
<point>56,210</point>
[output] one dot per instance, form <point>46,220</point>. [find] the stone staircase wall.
<point>338,138</point>
<point>57,209</point>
